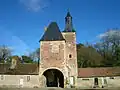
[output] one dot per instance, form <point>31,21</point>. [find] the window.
<point>70,56</point>
<point>68,20</point>
<point>105,81</point>
<point>28,78</point>
<point>2,77</point>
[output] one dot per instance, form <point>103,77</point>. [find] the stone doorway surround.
<point>54,78</point>
<point>53,75</point>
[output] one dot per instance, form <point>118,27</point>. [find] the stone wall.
<point>71,54</point>
<point>33,80</point>
<point>89,82</point>
<point>113,81</point>
<point>54,89</point>
<point>85,82</point>
<point>14,80</point>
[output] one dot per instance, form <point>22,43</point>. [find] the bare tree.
<point>35,55</point>
<point>5,53</point>
<point>109,46</point>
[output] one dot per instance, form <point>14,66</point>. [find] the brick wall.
<point>52,54</point>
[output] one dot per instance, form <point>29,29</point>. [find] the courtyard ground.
<point>58,89</point>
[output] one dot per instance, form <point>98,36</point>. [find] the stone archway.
<point>54,78</point>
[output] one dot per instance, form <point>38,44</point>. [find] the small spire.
<point>68,13</point>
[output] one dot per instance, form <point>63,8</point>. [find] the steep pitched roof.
<point>52,33</point>
<point>98,72</point>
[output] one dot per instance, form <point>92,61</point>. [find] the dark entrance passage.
<point>54,78</point>
<point>96,81</point>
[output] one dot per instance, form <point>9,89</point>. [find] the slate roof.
<point>98,72</point>
<point>52,33</point>
<point>68,14</point>
<point>21,69</point>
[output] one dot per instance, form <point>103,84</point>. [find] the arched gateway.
<point>54,78</point>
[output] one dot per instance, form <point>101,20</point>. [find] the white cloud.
<point>110,33</point>
<point>101,35</point>
<point>35,5</point>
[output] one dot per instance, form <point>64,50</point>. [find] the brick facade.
<point>60,55</point>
